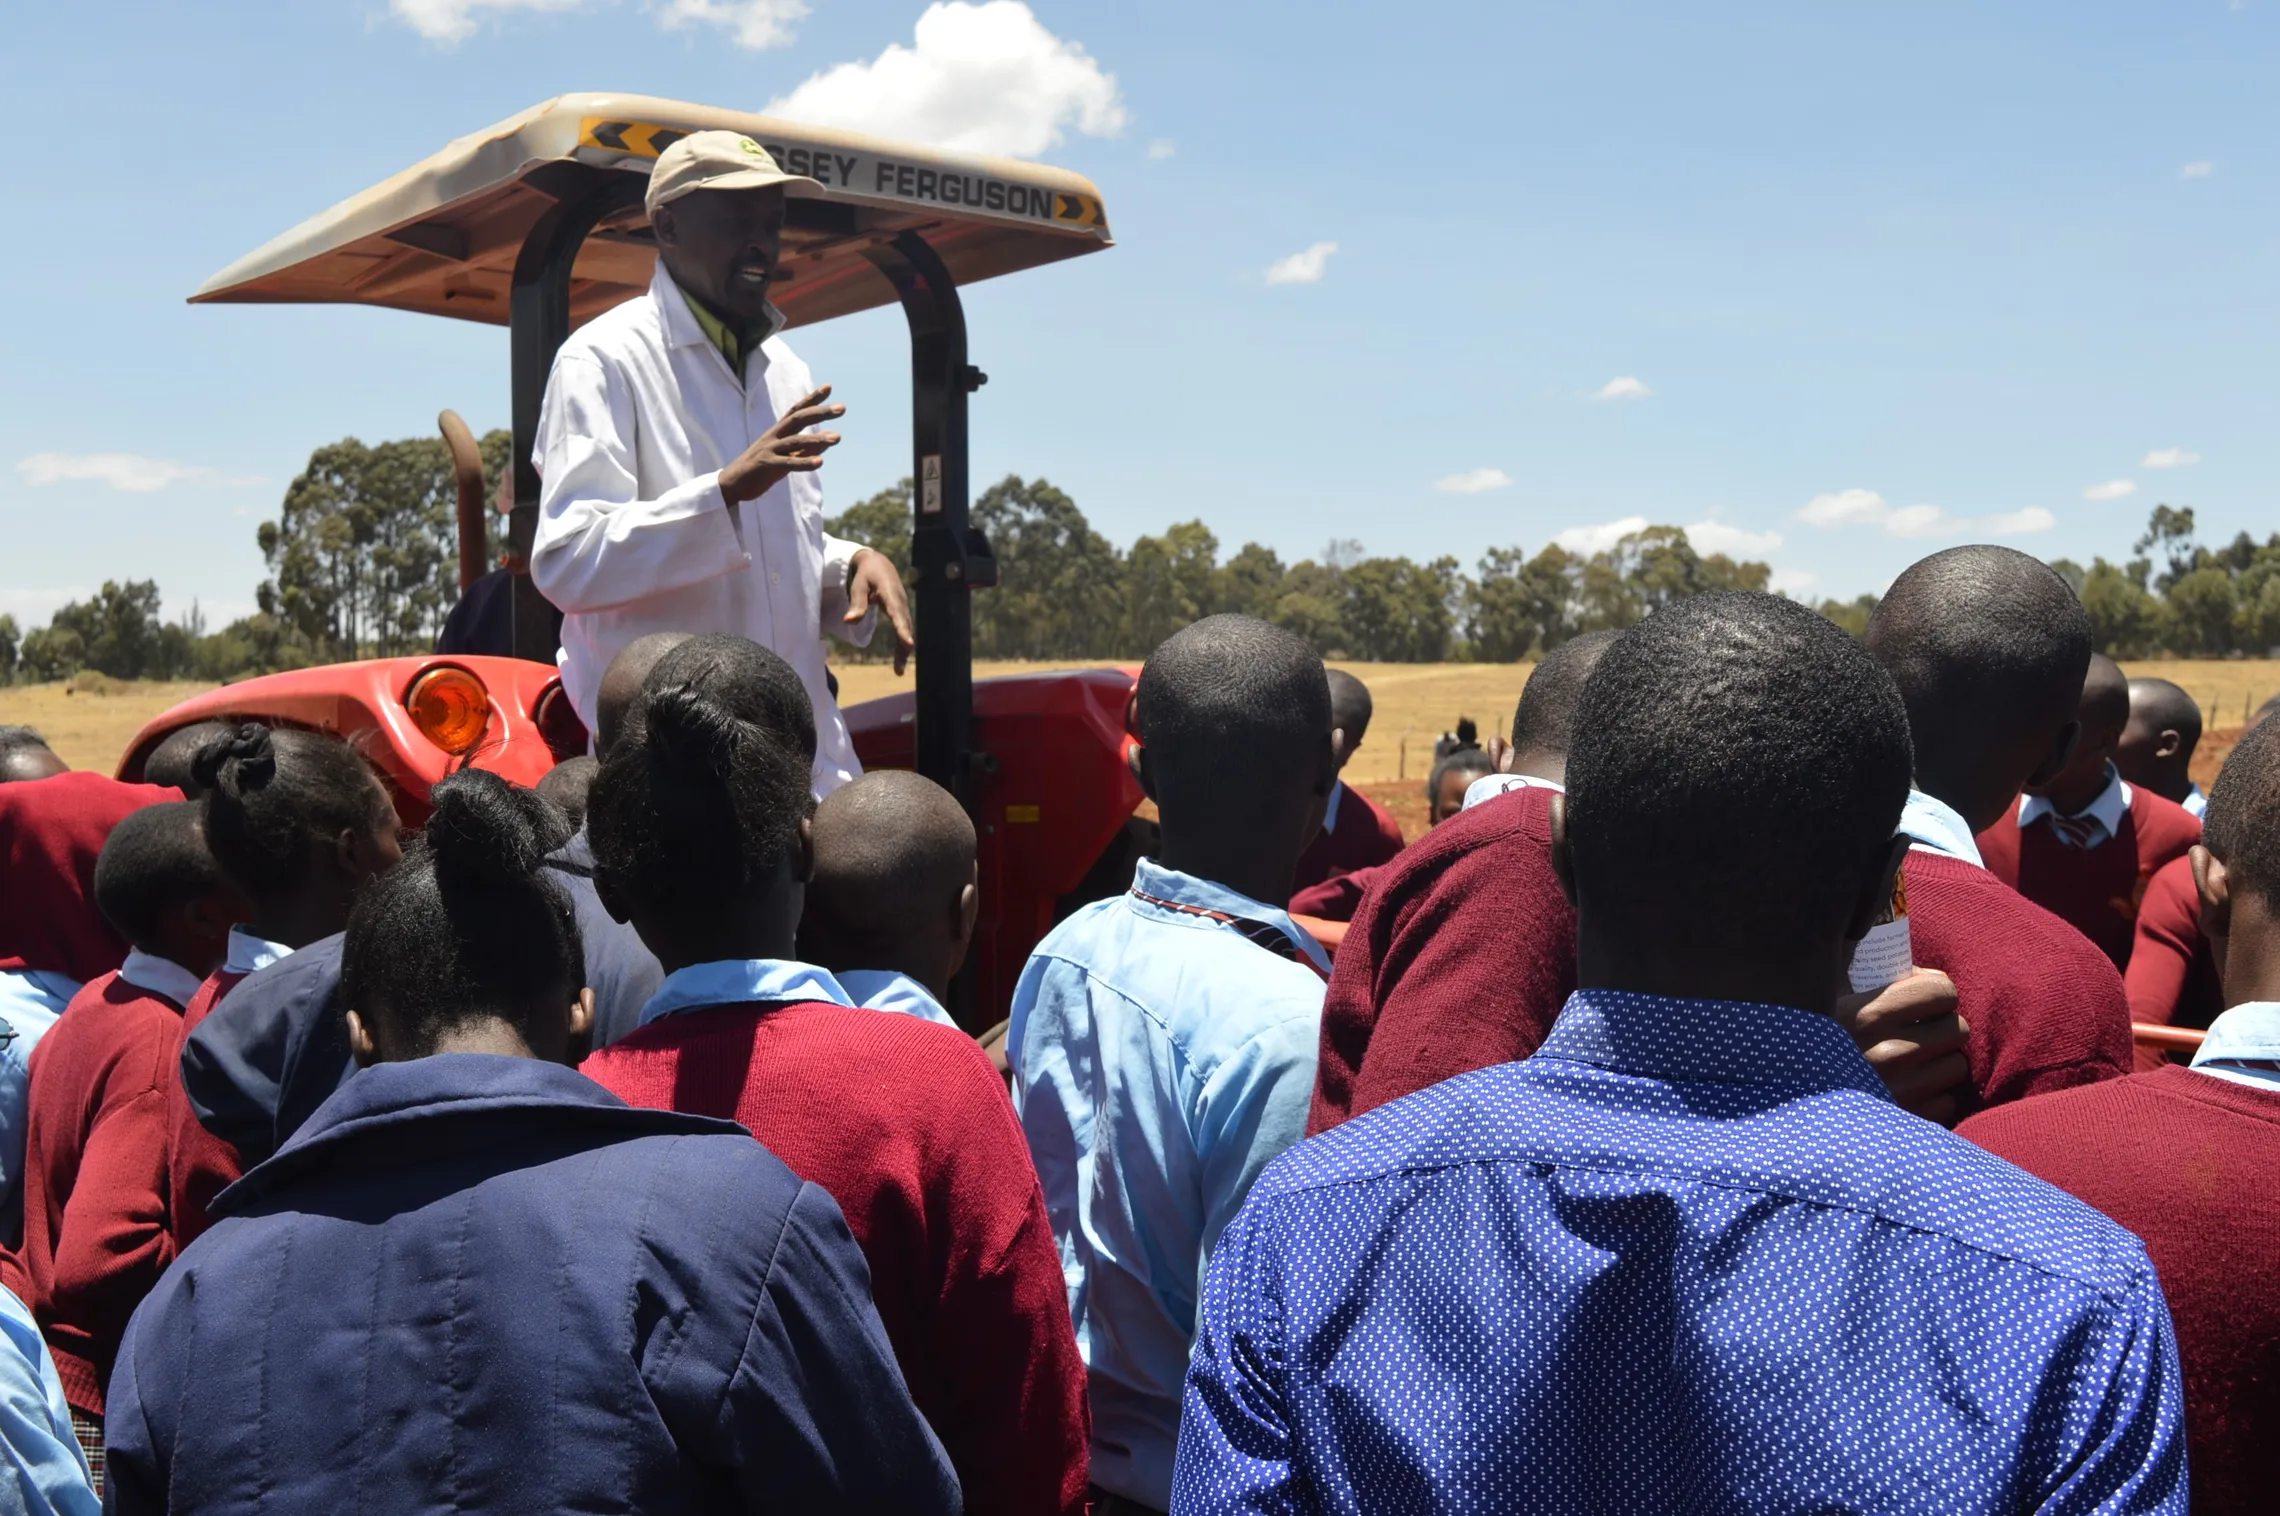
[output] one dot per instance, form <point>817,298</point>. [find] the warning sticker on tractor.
<point>930,485</point>
<point>872,176</point>
<point>1022,813</point>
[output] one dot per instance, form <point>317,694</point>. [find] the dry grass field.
<point>91,725</point>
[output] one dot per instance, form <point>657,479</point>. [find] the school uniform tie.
<point>2084,832</point>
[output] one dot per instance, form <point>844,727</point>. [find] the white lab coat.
<point>634,537</point>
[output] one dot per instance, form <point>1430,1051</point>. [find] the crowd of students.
<point>608,1145</point>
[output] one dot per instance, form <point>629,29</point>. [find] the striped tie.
<point>2083,832</point>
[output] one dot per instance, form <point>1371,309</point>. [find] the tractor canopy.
<point>443,236</point>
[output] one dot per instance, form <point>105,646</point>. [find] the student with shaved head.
<point>891,909</point>
<point>2085,843</point>
<point>1357,833</point>
<point>1163,1040</point>
<point>2185,1157</point>
<point>1690,1256</point>
<point>2156,748</point>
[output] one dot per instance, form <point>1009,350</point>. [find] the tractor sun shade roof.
<point>442,237</point>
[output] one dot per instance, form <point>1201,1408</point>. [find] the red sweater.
<point>2172,977</point>
<point>95,1237</point>
<point>2095,891</point>
<point>1463,951</point>
<point>1459,956</point>
<point>2186,1161</point>
<point>1339,896</point>
<point>1364,837</point>
<point>199,1165</point>
<point>908,1127</point>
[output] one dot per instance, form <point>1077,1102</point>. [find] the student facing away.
<point>298,822</point>
<point>475,1281</point>
<point>95,1234</point>
<point>1163,1040</point>
<point>700,827</point>
<point>891,909</point>
<point>1689,1256</point>
<point>2186,1157</point>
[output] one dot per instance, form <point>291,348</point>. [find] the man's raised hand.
<point>784,449</point>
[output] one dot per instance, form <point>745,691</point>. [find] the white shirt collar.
<point>160,976</point>
<point>1935,826</point>
<point>886,990</point>
<point>2248,1033</point>
<point>743,981</point>
<point>2112,804</point>
<point>682,328</point>
<point>1489,786</point>
<point>249,953</point>
<point>2196,804</point>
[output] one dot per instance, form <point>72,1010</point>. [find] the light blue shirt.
<point>2242,1038</point>
<point>30,1001</point>
<point>160,976</point>
<point>1161,1060</point>
<point>45,1470</point>
<point>886,990</point>
<point>2196,804</point>
<point>743,981</point>
<point>249,954</point>
<point>1938,827</point>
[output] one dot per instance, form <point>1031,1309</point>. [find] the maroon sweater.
<point>199,1165</point>
<point>1364,837</point>
<point>2172,976</point>
<point>2095,891</point>
<point>2186,1161</point>
<point>95,1237</point>
<point>908,1127</point>
<point>1463,950</point>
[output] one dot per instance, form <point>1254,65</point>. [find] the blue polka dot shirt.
<point>1689,1257</point>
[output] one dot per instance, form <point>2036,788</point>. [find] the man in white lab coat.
<point>678,488</point>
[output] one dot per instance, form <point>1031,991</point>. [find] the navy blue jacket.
<point>277,1047</point>
<point>484,1283</point>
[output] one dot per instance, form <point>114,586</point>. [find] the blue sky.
<point>1854,284</point>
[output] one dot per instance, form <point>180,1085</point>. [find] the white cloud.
<point>1859,507</point>
<point>1733,541</point>
<point>1162,147</point>
<point>2170,457</point>
<point>454,20</point>
<point>1792,581</point>
<point>751,23</point>
<point>2201,169</point>
<point>1845,508</point>
<point>1307,267</point>
<point>983,78</point>
<point>121,471</point>
<point>2020,523</point>
<point>2112,489</point>
<point>1598,539</point>
<point>1625,388</point>
<point>1473,481</point>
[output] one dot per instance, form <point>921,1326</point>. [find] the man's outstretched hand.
<point>1911,1035</point>
<point>871,576</point>
<point>784,449</point>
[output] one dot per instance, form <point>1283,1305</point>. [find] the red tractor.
<point>537,224</point>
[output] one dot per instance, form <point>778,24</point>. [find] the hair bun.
<point>692,729</point>
<point>251,750</point>
<point>486,829</point>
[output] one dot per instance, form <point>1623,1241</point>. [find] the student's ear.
<point>580,1029</point>
<point>1340,750</point>
<point>360,1041</point>
<point>2214,883</point>
<point>2060,755</point>
<point>1877,898</point>
<point>663,227</point>
<point>1563,861</point>
<point>969,908</point>
<point>803,866</point>
<point>2169,744</point>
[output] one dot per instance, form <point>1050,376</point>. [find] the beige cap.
<point>720,161</point>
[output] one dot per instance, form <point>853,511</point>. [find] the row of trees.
<point>2178,597</point>
<point>1067,592</point>
<point>363,563</point>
